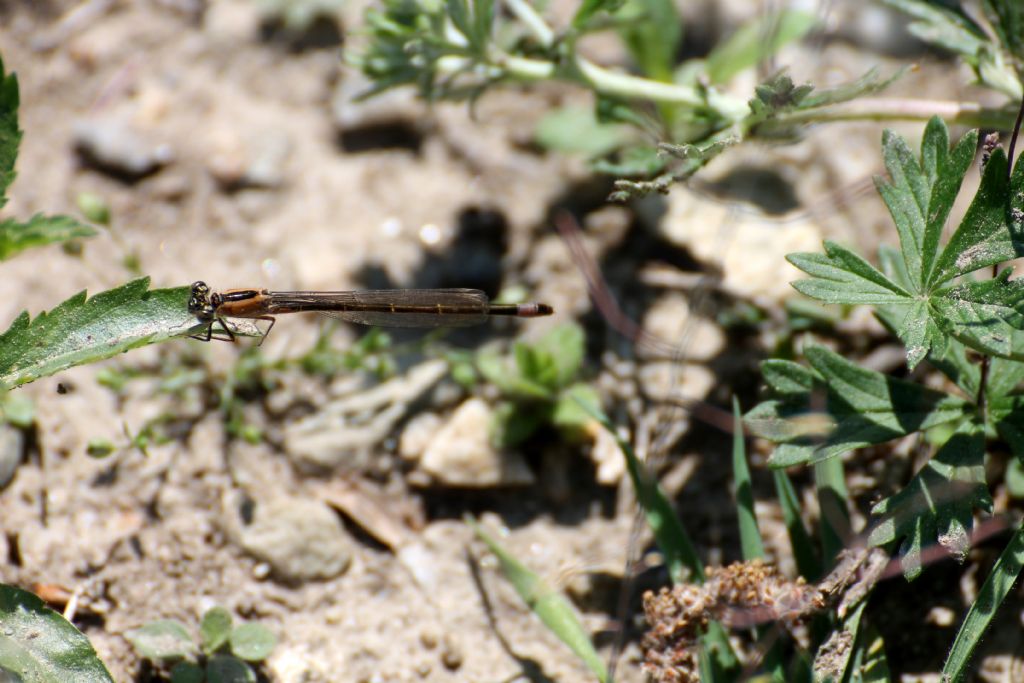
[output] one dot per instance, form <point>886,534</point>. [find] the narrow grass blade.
<point>750,536</point>
<point>995,589</point>
<point>834,501</point>
<point>548,604</point>
<point>807,562</point>
<point>668,531</point>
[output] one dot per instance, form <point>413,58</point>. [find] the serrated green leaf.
<point>938,504</point>
<point>41,645</point>
<point>1004,376</point>
<point>756,41</point>
<point>787,378</point>
<point>214,630</point>
<point>840,276</point>
<point>227,669</point>
<point>995,589</point>
<point>576,130</point>
<point>987,316</point>
<point>10,135</point>
<point>252,642</point>
<point>870,82</point>
<point>162,641</point>
<point>549,605</point>
<point>84,330</point>
<point>1006,413</point>
<point>943,25</point>
<point>39,230</point>
<point>989,233</point>
<point>849,407</point>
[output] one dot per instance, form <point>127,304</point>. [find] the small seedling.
<point>224,652</point>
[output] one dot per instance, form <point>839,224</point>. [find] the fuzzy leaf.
<point>987,316</point>
<point>84,330</point>
<point>849,407</point>
<point>938,504</point>
<point>16,236</point>
<point>840,276</point>
<point>252,642</point>
<point>988,233</point>
<point>214,630</point>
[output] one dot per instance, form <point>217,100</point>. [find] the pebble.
<point>256,161</point>
<point>12,445</point>
<point>749,250</point>
<point>691,337</point>
<point>115,147</point>
<point>301,540</point>
<point>461,452</point>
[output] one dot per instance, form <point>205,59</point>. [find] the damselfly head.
<point>200,303</point>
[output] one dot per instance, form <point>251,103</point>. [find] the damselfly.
<point>380,307</point>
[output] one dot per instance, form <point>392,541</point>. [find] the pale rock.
<point>666,380</point>
<point>687,336</point>
<point>749,250</point>
<point>461,454</point>
<point>301,540</point>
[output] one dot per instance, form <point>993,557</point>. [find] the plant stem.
<point>897,109</point>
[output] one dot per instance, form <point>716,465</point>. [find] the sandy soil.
<point>388,193</point>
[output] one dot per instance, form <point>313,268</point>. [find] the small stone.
<point>417,435</point>
<point>451,653</point>
<point>687,336</point>
<point>116,148</point>
<point>461,453</point>
<point>665,380</point>
<point>301,540</point>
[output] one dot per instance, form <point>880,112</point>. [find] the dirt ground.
<point>261,171</point>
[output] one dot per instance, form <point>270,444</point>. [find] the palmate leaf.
<point>987,316</point>
<point>919,195</point>
<point>938,504</point>
<point>37,231</point>
<point>846,407</point>
<point>83,330</point>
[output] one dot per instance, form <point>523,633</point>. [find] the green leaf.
<point>1007,18</point>
<point>187,672</point>
<point>989,233</point>
<point>214,630</point>
<point>84,330</point>
<point>565,345</point>
<point>252,642</point>
<point>589,8</point>
<point>756,41</point>
<point>804,553</point>
<point>41,645</point>
<point>995,589</point>
<point>751,543</point>
<point>17,410</point>
<point>10,135</point>
<point>548,604</point>
<point>849,407</point>
<point>944,25</point>
<point>576,130</point>
<point>669,532</point>
<point>987,316</point>
<point>1006,413</point>
<point>653,40</point>
<point>840,276</point>
<point>227,669</point>
<point>162,641</point>
<point>920,195</point>
<point>38,231</point>
<point>569,412</point>
<point>938,504</point>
